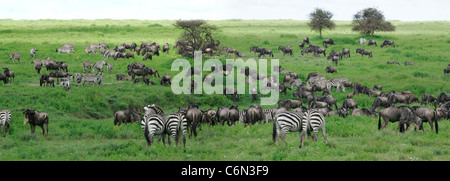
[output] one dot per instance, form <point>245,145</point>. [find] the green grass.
<point>81,119</point>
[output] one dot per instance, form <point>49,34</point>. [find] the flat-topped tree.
<point>369,20</point>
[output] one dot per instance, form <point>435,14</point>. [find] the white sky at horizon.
<point>403,10</point>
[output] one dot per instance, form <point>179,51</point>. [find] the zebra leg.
<point>302,138</point>
<point>282,136</point>
<point>324,133</point>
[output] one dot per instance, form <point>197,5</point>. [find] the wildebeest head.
<point>29,113</point>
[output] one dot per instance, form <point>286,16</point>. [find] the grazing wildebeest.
<point>410,64</point>
<point>345,51</point>
<point>350,104</point>
<point>33,52</point>
<point>9,74</point>
<point>427,99</point>
<point>380,102</point>
<point>14,56</point>
<point>405,115</point>
<point>442,98</point>
<point>334,59</point>
<point>255,49</point>
<point>194,118</point>
<point>62,66</point>
<point>362,112</point>
<point>331,69</point>
<point>301,45</point>
<point>362,41</point>
<point>285,49</point>
<point>166,48</point>
<point>46,80</point>
<point>58,74</point>
<point>36,118</point>
<point>147,56</point>
<point>364,52</point>
<point>387,42</point>
<point>165,80</point>
<point>429,116</point>
<point>306,40</point>
<point>209,117</point>
<point>328,41</point>
<point>126,116</point>
<point>264,52</point>
<point>239,54</point>
<point>372,42</point>
<point>393,62</point>
<point>341,112</point>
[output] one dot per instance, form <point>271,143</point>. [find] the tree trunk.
<point>320,30</point>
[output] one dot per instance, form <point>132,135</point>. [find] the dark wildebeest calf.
<point>36,118</point>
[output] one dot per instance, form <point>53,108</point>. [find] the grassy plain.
<point>81,119</point>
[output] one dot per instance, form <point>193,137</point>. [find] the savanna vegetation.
<point>81,119</point>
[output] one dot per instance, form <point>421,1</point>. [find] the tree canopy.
<point>369,20</point>
<point>197,33</point>
<point>320,19</point>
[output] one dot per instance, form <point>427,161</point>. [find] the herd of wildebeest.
<point>155,121</point>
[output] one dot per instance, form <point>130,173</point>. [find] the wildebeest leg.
<point>32,129</point>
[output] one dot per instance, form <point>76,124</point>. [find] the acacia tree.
<point>321,19</point>
<point>197,33</point>
<point>369,20</point>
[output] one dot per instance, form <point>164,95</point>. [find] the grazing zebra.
<point>98,66</point>
<point>14,56</point>
<point>337,83</point>
<point>313,120</point>
<point>153,125</point>
<point>176,124</point>
<point>94,78</point>
<point>285,122</point>
<point>64,50</point>
<point>33,52</point>
<point>109,66</point>
<point>5,119</point>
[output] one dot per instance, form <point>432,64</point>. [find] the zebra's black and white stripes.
<point>153,125</point>
<point>173,125</point>
<point>314,121</point>
<point>176,124</point>
<point>5,120</point>
<point>304,123</point>
<point>338,83</point>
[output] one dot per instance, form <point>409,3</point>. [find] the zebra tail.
<point>146,132</point>
<point>436,122</point>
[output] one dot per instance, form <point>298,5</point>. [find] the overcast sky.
<point>404,10</point>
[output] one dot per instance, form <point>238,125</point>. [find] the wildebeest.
<point>165,80</point>
<point>364,52</point>
<point>341,112</point>
<point>387,42</point>
<point>380,102</point>
<point>447,70</point>
<point>255,49</point>
<point>331,69</point>
<point>233,115</point>
<point>91,48</point>
<point>350,104</point>
<point>345,51</point>
<point>14,56</point>
<point>36,118</point>
<point>372,42</point>
<point>147,56</point>
<point>264,52</point>
<point>254,114</point>
<point>194,118</point>
<point>306,40</point>
<point>428,115</point>
<point>393,62</point>
<point>126,116</point>
<point>405,115</point>
<point>442,98</point>
<point>4,78</point>
<point>33,52</point>
<point>427,99</point>
<point>62,66</point>
<point>285,49</point>
<point>46,80</point>
<point>410,64</point>
<point>239,54</point>
<point>58,74</point>
<point>86,65</point>
<point>166,48</point>
<point>328,41</point>
<point>223,114</point>
<point>209,117</point>
<point>9,74</point>
<point>334,59</point>
<point>362,112</point>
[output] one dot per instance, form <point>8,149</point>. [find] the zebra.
<point>5,120</point>
<point>336,82</point>
<point>66,81</point>
<point>313,120</point>
<point>64,50</point>
<point>242,116</point>
<point>285,122</point>
<point>153,109</point>
<point>98,66</point>
<point>33,52</point>
<point>176,124</point>
<point>14,56</point>
<point>153,125</point>
<point>109,66</point>
<point>94,78</point>
<point>269,114</point>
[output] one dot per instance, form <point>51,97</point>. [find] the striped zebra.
<point>269,114</point>
<point>153,109</point>
<point>98,66</point>
<point>242,116</point>
<point>94,78</point>
<point>153,125</point>
<point>338,83</point>
<point>66,81</point>
<point>5,120</point>
<point>313,120</point>
<point>176,124</point>
<point>285,122</point>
